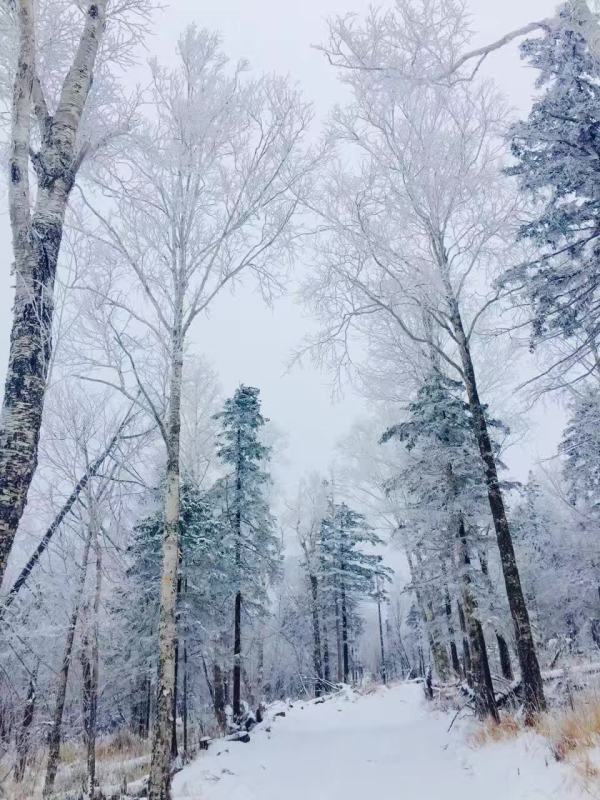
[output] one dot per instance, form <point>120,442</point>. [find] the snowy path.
<point>385,746</point>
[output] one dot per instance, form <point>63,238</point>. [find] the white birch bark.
<point>159,787</point>
<point>36,236</point>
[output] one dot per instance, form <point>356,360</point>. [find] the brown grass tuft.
<point>573,729</point>
<point>489,731</point>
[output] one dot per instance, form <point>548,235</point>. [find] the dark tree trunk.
<point>260,669</point>
<point>317,665</point>
<point>237,659</point>
<point>467,667</point>
<point>185,700</point>
<point>140,708</point>
<point>23,737</point>
<point>453,649</point>
<point>237,625</point>
<point>504,653</point>
<point>174,747</point>
<point>455,658</point>
<point>481,681</point>
<point>209,683</point>
<point>148,707</point>
<point>90,702</point>
<point>421,660</point>
<point>326,660</point>
<point>381,644</point>
<point>531,676</point>
<point>338,637</point>
<point>344,612</point>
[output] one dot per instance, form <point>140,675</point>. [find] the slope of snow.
<point>387,745</point>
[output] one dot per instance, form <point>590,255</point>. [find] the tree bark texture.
<point>54,738</point>
<point>159,785</point>
<point>36,239</point>
<point>530,669</point>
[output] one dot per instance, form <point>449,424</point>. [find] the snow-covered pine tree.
<point>557,152</point>
<point>580,447</point>
<point>349,574</point>
<point>447,503</point>
<point>205,573</point>
<point>244,493</point>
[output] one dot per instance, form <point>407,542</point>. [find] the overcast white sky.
<point>246,341</point>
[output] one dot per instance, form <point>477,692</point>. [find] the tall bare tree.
<point>413,234</point>
<point>208,192</point>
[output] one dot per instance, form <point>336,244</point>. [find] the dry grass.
<point>574,729</point>
<point>572,733</point>
<point>119,757</point>
<point>122,745</point>
<point>490,732</point>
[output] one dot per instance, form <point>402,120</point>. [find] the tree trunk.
<point>237,659</point>
<point>159,784</point>
<point>237,624</point>
<point>381,644</point>
<point>36,239</point>
<point>23,738</point>
<point>219,697</point>
<point>88,714</point>
<point>467,668</point>
<point>338,638</point>
<point>530,669</point>
<point>54,738</point>
<point>91,706</point>
<point>326,661</point>
<point>453,649</point>
<point>481,681</point>
<point>432,629</point>
<point>344,612</point>
<point>260,669</point>
<point>185,701</point>
<point>317,665</point>
<point>209,683</point>
<point>174,748</point>
<point>148,707</point>
<point>504,652</point>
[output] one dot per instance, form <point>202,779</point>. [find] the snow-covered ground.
<point>387,745</point>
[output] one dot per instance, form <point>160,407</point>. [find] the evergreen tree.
<point>581,450</point>
<point>205,573</point>
<point>251,524</point>
<point>447,506</point>
<point>557,152</point>
<point>349,575</point>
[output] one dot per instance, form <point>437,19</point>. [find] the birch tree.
<point>412,236</point>
<point>207,193</point>
<point>52,52</point>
